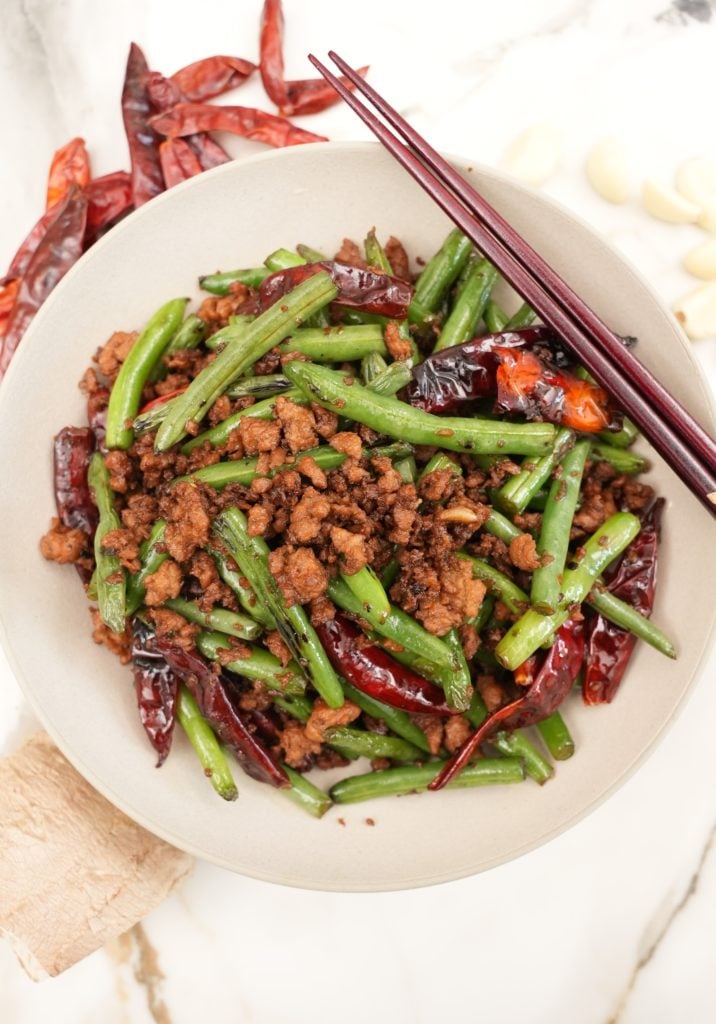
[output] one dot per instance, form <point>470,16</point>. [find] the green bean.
<point>237,325</point>
<point>502,527</point>
<point>258,411</point>
<point>397,721</point>
<point>392,379</point>
<point>623,438</point>
<point>367,588</point>
<point>360,743</point>
<point>515,744</point>
<point>375,255</point>
<point>497,583</point>
<point>305,794</point>
<point>299,706</point>
<point>515,495</point>
<point>485,612</point>
<point>539,501</point>
<point>624,615</point>
<point>370,366</point>
<point>438,462</point>
<point>310,254</point>
<point>219,619</point>
<point>91,590</point>
<point>206,746</point>
<point>220,284</point>
<point>282,259</point>
<point>134,373</point>
<point>285,680</point>
<point>621,459</point>
<point>438,275</point>
<point>469,306</point>
<point>524,316</point>
<point>396,419</point>
<point>221,474</point>
<point>152,554</point>
<point>235,580</point>
<point>336,344</point>
<point>266,331</point>
<point>251,555</point>
<point>148,421</point>
<point>456,683</point>
<point>553,542</point>
<point>390,573</point>
<point>260,387</point>
<point>190,334</point>
<point>407,469</point>
<point>533,628</point>
<point>399,781</point>
<point>495,317</point>
<point>110,576</point>
<point>556,737</point>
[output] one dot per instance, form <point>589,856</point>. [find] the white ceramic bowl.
<point>232,217</point>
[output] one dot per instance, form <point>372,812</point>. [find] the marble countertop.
<point>614,921</point>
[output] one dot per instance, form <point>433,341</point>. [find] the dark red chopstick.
<point>682,450</point>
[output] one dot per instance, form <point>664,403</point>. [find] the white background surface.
<point>614,921</point>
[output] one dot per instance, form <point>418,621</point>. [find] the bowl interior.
<point>233,217</point>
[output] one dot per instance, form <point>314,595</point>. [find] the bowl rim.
<point>709,400</point>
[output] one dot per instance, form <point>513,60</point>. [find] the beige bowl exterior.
<point>233,216</point>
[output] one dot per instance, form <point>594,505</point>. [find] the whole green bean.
<point>370,366</point>
<point>220,619</point>
<point>390,573</point>
<point>360,743</point>
<point>367,588</point>
<point>298,706</point>
<point>500,526</point>
<point>258,411</point>
<point>407,469</point>
<point>414,778</point>
<point>397,419</point>
<point>469,306</point>
<point>266,331</point>
<point>206,746</point>
<point>375,254</point>
<point>190,334</point>
<point>336,344</point>
<point>286,680</point>
<point>397,721</point>
<point>533,629</point>
<point>152,555</point>
<point>438,462</point>
<point>553,542</point>
<point>110,576</point>
<point>556,737</point>
<point>251,555</point>
<point>134,372</point>
<point>623,460</point>
<point>515,495</point>
<point>495,317</point>
<point>220,284</point>
<point>456,683</point>
<point>392,379</point>
<point>437,276</point>
<point>260,387</point>
<point>310,254</point>
<point>235,580</point>
<point>282,259</point>
<point>524,316</point>
<point>626,616</point>
<point>305,794</point>
<point>621,438</point>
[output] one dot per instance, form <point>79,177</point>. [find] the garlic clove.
<point>696,312</point>
<point>667,204</point>
<point>707,217</point>
<point>696,181</point>
<point>607,171</point>
<point>534,155</point>
<point>701,261</point>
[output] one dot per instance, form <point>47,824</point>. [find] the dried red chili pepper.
<point>463,373</point>
<point>531,386</point>
<point>609,647</point>
<point>524,674</point>
<point>108,198</point>
<point>97,403</point>
<point>357,288</point>
<point>551,686</point>
<point>179,161</point>
<point>56,253</point>
<point>211,691</point>
<point>72,450</point>
<point>211,77</point>
<point>21,259</point>
<point>312,95</point>
<point>70,165</point>
<point>147,180</point>
<point>190,118</point>
<point>157,689</point>
<point>271,52</point>
<point>8,294</point>
<point>165,94</point>
<point>161,400</point>
<point>371,670</point>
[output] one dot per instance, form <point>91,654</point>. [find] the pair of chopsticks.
<point>672,431</point>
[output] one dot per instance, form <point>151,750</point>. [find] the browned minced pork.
<point>297,747</point>
<point>348,443</point>
<point>118,643</point>
<point>440,594</point>
<point>457,729</point>
<point>432,726</point>
<point>308,515</point>
<point>298,423</point>
<point>490,691</point>
<point>216,310</point>
<point>113,353</point>
<point>352,549</point>
<point>259,435</point>
<point>399,348</point>
<point>122,543</point>
<point>299,574</point>
<point>398,258</point>
<point>62,544</point>
<point>175,627</point>
<point>259,518</point>
<point>322,717</point>
<point>350,253</point>
<point>523,552</point>
<point>163,584</point>
<point>321,610</point>
<point>326,421</point>
<point>277,647</point>
<point>308,467</point>
<point>188,522</point>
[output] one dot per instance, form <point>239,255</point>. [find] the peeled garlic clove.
<point>696,312</point>
<point>707,217</point>
<point>701,261</point>
<point>696,181</point>
<point>607,170</point>
<point>534,155</point>
<point>667,204</point>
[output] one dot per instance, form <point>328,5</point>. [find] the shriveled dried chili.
<point>250,123</point>
<point>157,689</point>
<point>211,77</point>
<point>357,288</point>
<point>271,52</point>
<point>550,687</point>
<point>70,165</point>
<point>72,450</point>
<point>165,94</point>
<point>312,95</point>
<point>609,647</point>
<point>147,179</point>
<point>8,294</point>
<point>179,161</point>
<point>109,198</point>
<point>372,671</point>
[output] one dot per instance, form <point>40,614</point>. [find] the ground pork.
<point>174,627</point>
<point>457,729</point>
<point>523,552</point>
<point>321,610</point>
<point>491,692</point>
<point>308,467</point>
<point>308,515</point>
<point>259,435</point>
<point>348,443</point>
<point>399,347</point>
<point>216,309</point>
<point>163,584</point>
<point>188,522</point>
<point>298,423</point>
<point>432,726</point>
<point>322,717</point>
<point>299,574</point>
<point>121,471</point>
<point>352,549</point>
<point>277,647</point>
<point>113,353</point>
<point>297,747</point>
<point>118,643</point>
<point>351,254</point>
<point>62,544</point>
<point>122,543</point>
<point>326,421</point>
<point>440,595</point>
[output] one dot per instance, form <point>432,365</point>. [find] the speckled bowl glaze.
<point>232,217</point>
